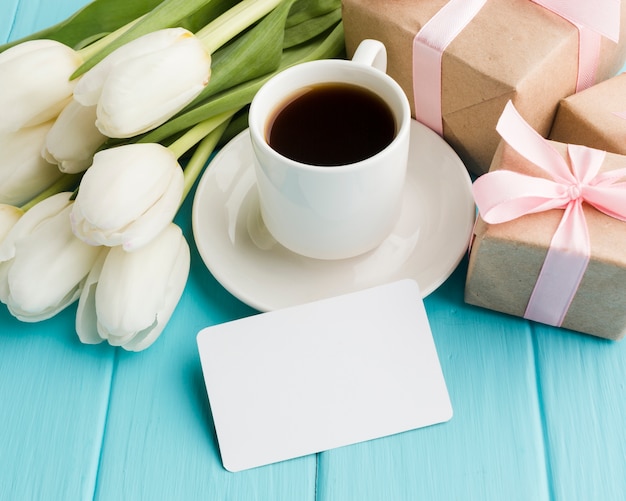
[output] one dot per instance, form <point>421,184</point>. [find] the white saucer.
<point>427,243</point>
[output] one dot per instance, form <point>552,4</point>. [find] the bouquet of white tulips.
<point>97,113</point>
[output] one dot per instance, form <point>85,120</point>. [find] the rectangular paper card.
<point>322,375</point>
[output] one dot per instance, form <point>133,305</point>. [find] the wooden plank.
<point>582,381</point>
<point>34,15</point>
<point>583,388</point>
<point>54,391</point>
<point>491,449</point>
<point>158,437</point>
<point>9,8</point>
<point>160,441</point>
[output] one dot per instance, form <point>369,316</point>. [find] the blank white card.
<point>322,375</point>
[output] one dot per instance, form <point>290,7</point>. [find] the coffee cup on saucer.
<point>330,140</point>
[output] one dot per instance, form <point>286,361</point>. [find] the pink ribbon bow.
<point>593,19</point>
<point>505,195</point>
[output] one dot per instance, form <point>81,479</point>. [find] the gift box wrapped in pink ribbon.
<point>550,238</point>
<point>594,117</point>
<point>460,61</point>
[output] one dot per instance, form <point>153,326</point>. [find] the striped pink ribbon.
<point>593,19</point>
<point>504,195</point>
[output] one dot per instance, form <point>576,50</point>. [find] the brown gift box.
<point>512,50</point>
<point>588,117</point>
<point>506,259</point>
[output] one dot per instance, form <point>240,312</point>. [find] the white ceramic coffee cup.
<point>342,211</point>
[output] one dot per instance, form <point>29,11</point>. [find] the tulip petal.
<point>138,291</point>
<point>156,218</point>
<point>86,317</point>
<point>24,315</point>
<point>89,87</point>
<point>73,139</point>
<point>48,270</point>
<point>9,216</point>
<point>5,266</point>
<point>35,82</point>
<point>122,182</point>
<point>30,220</point>
<point>23,172</point>
<point>142,93</point>
<point>177,282</point>
<point>130,193</point>
<point>118,340</point>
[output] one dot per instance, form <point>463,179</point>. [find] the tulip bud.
<point>89,88</point>
<point>128,196</point>
<point>145,82</point>
<point>43,265</point>
<point>23,172</point>
<point>35,82</point>
<point>73,138</point>
<point>130,296</point>
<point>36,215</point>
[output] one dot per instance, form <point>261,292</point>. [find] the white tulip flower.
<point>73,139</point>
<point>23,172</point>
<point>89,88</point>
<point>130,296</point>
<point>36,215</point>
<point>35,82</point>
<point>128,196</point>
<point>145,82</point>
<point>42,264</point>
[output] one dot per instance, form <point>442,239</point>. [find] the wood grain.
<point>539,412</point>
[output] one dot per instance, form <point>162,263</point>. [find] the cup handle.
<point>371,53</point>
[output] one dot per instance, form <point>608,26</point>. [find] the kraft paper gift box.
<point>506,258</point>
<point>510,50</point>
<point>595,117</point>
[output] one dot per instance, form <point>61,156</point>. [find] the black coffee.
<point>331,124</point>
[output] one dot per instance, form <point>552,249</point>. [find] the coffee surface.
<point>331,124</point>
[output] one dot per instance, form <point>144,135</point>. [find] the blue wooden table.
<point>539,413</point>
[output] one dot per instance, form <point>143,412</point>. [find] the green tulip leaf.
<point>93,21</point>
<point>167,14</point>
<point>256,52</point>
<point>304,10</point>
<point>300,33</point>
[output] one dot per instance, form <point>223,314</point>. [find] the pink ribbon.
<point>592,18</point>
<point>428,47</point>
<point>505,195</point>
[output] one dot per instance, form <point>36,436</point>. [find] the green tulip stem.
<point>194,135</point>
<point>201,155</point>
<point>67,182</point>
<point>234,21</point>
